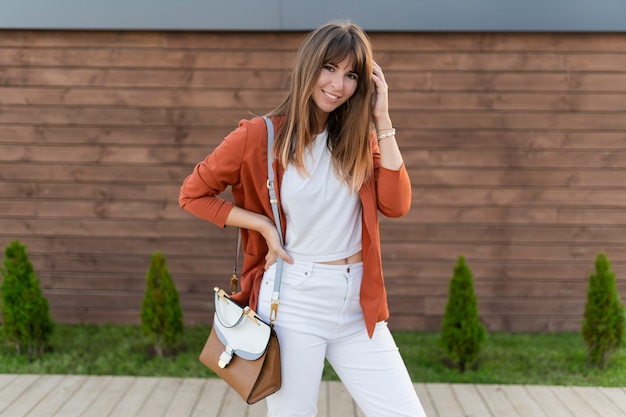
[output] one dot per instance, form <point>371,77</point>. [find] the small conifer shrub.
<point>462,333</point>
<point>603,324</point>
<point>25,311</point>
<point>161,313</point>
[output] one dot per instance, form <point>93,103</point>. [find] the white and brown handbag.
<point>242,349</point>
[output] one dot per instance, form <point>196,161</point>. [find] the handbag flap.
<point>240,329</point>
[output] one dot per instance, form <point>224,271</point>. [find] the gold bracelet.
<point>387,134</point>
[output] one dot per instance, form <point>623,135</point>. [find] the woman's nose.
<point>337,82</point>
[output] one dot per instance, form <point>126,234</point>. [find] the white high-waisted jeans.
<point>320,317</point>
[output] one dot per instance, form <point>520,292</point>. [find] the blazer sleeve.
<point>393,188</point>
<point>199,193</point>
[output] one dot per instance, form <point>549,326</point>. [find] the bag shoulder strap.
<point>274,202</point>
<point>234,279</point>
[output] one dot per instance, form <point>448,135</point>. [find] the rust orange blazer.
<point>240,161</point>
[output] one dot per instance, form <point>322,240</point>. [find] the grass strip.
<point>536,359</point>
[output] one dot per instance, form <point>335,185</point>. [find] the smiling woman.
<point>333,180</point>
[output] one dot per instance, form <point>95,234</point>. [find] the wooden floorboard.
<point>107,396</point>
<point>471,401</point>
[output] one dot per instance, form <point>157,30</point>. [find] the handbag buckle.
<point>222,294</point>
<point>251,315</point>
<point>234,280</point>
<point>273,311</point>
<point>225,357</point>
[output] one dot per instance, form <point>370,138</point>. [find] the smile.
<point>330,96</point>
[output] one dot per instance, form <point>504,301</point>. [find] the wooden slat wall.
<point>514,142</point>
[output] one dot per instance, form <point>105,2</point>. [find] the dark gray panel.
<point>463,15</point>
<point>141,14</point>
<point>373,15</point>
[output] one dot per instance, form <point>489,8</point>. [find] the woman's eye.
<point>329,67</point>
<point>353,76</point>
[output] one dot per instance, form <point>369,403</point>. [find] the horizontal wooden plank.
<point>254,98</point>
<point>418,283</point>
<point>554,216</point>
<point>89,191</point>
<point>191,228</point>
<point>147,58</point>
<point>174,98</point>
<point>170,210</point>
<point>534,325</point>
<point>495,139</point>
<point>398,322</point>
<point>392,231</point>
<point>133,116</point>
<point>513,158</point>
<point>548,121</point>
<point>58,268</point>
<point>90,154</point>
<point>500,81</point>
<point>414,277</point>
<point>405,41</point>
<point>441,268</point>
<point>186,137</point>
<point>197,298</point>
<point>544,178</point>
<point>506,307</point>
<point>91,116</point>
<point>500,101</point>
<point>419,287</point>
<point>478,159</point>
<point>266,79</point>
<point>115,264</point>
<point>203,139</point>
<point>148,174</point>
<point>571,42</point>
<point>212,247</point>
<point>441,158</point>
<point>282,59</point>
<point>154,39</point>
<point>121,299</point>
<point>64,274</point>
<point>106,316</point>
<point>520,278</point>
<point>475,250</point>
<point>165,209</point>
<point>502,309</point>
<point>519,197</point>
<point>500,61</point>
<point>164,79</point>
<point>75,283</point>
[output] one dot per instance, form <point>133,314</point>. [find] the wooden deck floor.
<point>104,396</point>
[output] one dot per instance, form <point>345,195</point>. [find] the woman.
<point>337,165</point>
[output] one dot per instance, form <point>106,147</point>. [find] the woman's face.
<point>336,84</point>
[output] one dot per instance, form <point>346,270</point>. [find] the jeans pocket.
<point>295,277</point>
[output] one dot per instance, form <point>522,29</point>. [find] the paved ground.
<point>104,396</point>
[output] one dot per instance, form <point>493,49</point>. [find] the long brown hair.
<point>348,126</point>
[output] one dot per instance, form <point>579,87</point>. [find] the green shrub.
<point>603,324</point>
<point>161,313</point>
<point>462,333</point>
<point>25,311</point>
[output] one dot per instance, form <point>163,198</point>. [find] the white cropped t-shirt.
<point>323,216</point>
